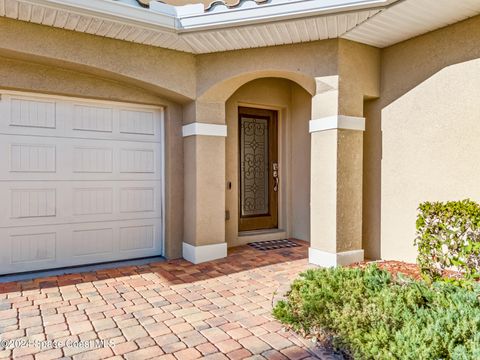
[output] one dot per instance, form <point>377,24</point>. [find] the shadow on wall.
<point>420,135</point>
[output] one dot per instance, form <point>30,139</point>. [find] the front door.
<point>258,149</point>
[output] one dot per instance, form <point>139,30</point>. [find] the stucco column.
<point>204,135</point>
<point>336,180</point>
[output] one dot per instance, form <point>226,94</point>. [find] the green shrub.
<point>448,237</point>
<point>370,315</point>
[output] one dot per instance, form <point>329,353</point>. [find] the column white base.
<point>200,254</point>
<point>326,259</point>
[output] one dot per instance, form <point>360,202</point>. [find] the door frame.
<point>270,221</point>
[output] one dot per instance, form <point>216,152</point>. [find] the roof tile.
<point>209,4</point>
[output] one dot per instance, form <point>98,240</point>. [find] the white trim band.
<point>194,16</point>
<point>337,122</point>
<point>197,128</point>
<point>326,259</point>
<point>200,254</point>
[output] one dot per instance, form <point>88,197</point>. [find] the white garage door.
<point>80,181</point>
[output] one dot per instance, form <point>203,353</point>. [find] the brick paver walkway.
<point>170,310</point>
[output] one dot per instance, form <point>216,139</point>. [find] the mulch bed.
<point>411,270</point>
<point>393,267</point>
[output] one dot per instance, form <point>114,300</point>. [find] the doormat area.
<point>273,244</point>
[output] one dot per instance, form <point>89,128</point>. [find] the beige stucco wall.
<point>336,201</point>
<point>33,77</point>
<point>419,144</point>
<point>204,221</point>
<point>26,75</point>
<point>174,176</point>
<point>349,190</point>
<point>55,61</point>
<point>219,75</point>
<point>323,203</point>
<point>196,89</point>
<point>422,134</point>
<point>192,89</point>
<point>359,68</point>
<point>166,72</point>
<point>293,104</point>
<point>299,157</point>
<point>372,158</point>
<point>337,155</point>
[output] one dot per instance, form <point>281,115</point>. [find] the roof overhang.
<point>192,28</point>
<point>195,17</point>
<point>409,18</point>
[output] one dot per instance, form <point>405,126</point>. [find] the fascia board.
<point>114,11</point>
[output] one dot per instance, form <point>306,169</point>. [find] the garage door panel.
<point>61,202</point>
<point>81,181</point>
<point>33,247</point>
<point>43,116</point>
<point>92,242</point>
<point>50,158</point>
<point>33,203</point>
<point>32,157</point>
<point>92,200</point>
<point>43,247</point>
<point>35,115</point>
<point>29,113</point>
<point>92,118</point>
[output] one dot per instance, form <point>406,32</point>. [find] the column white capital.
<point>337,122</point>
<point>197,128</point>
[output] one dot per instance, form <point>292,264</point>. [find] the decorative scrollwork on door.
<point>254,166</point>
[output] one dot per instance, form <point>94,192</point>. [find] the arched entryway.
<point>267,162</point>
<point>308,111</point>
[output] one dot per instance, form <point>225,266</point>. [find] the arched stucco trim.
<point>99,72</point>
<point>223,90</point>
<point>168,73</point>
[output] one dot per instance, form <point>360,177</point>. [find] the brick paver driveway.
<point>170,310</point>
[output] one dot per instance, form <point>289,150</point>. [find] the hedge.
<point>369,315</point>
<point>448,237</point>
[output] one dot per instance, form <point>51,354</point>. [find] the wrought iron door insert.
<point>259,173</point>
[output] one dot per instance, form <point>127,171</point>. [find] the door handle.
<point>275,176</point>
